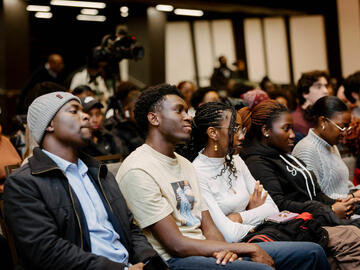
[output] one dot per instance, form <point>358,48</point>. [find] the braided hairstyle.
<point>264,114</point>
<point>210,115</point>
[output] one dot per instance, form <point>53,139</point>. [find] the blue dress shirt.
<point>104,239</point>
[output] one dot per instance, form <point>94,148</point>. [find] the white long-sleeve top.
<point>223,199</point>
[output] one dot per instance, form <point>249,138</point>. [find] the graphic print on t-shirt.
<point>185,202</point>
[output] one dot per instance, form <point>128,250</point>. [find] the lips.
<point>239,146</point>
<point>188,128</point>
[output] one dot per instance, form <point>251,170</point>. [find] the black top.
<point>287,186</point>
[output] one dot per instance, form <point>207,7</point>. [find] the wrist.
<point>250,249</point>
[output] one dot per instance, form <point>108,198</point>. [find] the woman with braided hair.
<point>237,203</point>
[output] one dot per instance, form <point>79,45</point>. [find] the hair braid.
<point>210,115</point>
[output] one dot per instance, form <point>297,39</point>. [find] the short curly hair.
<point>306,81</point>
<point>150,101</point>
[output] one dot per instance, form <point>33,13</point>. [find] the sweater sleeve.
<point>256,215</point>
<point>232,231</point>
<point>263,171</point>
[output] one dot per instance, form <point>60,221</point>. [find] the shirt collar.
<point>64,164</point>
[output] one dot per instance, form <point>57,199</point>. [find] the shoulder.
<point>304,147</point>
<point>183,160</point>
<point>19,174</point>
<point>239,162</point>
<point>135,159</point>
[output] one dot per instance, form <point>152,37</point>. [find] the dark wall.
<point>138,26</point>
<point>156,29</point>
<point>14,49</point>
<point>149,29</point>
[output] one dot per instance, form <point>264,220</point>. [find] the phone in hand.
<point>282,216</point>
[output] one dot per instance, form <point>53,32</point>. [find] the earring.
<point>323,127</point>
<point>266,135</point>
<point>215,147</point>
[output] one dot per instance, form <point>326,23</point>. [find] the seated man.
<point>66,211</point>
<point>310,87</point>
<point>120,118</point>
<point>162,191</point>
<point>103,141</point>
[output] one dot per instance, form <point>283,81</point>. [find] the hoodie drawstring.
<point>302,170</point>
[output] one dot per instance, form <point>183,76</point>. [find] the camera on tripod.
<point>119,47</point>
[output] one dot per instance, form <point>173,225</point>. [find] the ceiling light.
<point>97,18</point>
<point>84,4</point>
<point>189,12</point>
<point>43,15</point>
<point>37,8</point>
<point>167,8</point>
<point>89,11</point>
<point>124,9</point>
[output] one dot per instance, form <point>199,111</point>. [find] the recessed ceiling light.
<point>124,14</point>
<point>97,18</point>
<point>89,11</point>
<point>43,15</point>
<point>167,8</point>
<point>124,9</point>
<point>189,12</point>
<point>37,8</point>
<point>84,4</point>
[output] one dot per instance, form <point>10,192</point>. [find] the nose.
<point>292,134</point>
<point>187,117</point>
<point>85,116</point>
<point>326,90</point>
<point>241,135</point>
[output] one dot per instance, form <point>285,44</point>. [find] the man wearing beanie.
<point>64,208</point>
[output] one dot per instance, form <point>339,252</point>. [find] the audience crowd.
<point>204,177</point>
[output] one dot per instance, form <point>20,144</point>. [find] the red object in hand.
<point>356,179</point>
<point>305,216</point>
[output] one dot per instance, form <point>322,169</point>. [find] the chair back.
<point>10,168</point>
<point>7,233</point>
<point>113,158</point>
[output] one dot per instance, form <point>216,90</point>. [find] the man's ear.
<point>305,95</point>
<point>212,133</point>
<point>153,119</point>
<point>50,127</point>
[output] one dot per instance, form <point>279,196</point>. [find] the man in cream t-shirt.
<point>161,190</point>
<point>168,186</point>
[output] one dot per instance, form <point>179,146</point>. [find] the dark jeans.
<point>286,255</point>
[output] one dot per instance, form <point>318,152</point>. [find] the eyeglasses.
<point>342,129</point>
<point>236,129</point>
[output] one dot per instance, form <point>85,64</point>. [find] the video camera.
<point>119,47</point>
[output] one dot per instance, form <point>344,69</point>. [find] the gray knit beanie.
<point>43,109</point>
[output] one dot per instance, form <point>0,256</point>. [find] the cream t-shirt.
<point>156,186</point>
